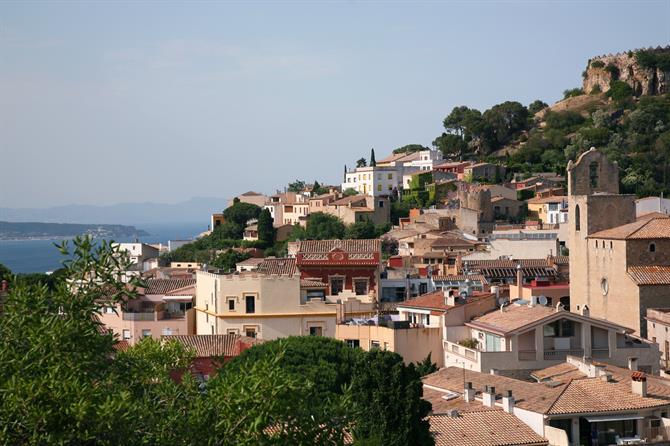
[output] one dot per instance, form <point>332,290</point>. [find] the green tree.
<point>570,93</point>
<point>505,121</point>
<point>536,106</point>
<point>240,213</point>
<point>227,260</point>
<point>361,230</point>
<point>373,161</point>
<point>427,366</point>
<point>296,186</point>
<point>451,145</point>
<point>5,273</point>
<point>361,163</point>
<point>410,148</point>
<point>320,226</point>
<point>266,230</point>
<point>348,192</point>
<point>619,91</point>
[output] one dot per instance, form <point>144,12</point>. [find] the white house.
<point>372,180</point>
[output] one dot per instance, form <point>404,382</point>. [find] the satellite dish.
<point>542,300</point>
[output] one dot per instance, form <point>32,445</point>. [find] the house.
<point>140,254</point>
<point>212,351</point>
<point>648,205</point>
<point>164,307</point>
<point>520,244</point>
<point>250,264</point>
<point>507,208</point>
<point>342,265</point>
<point>551,210</point>
<point>401,282</point>
<point>288,208</point>
<point>251,232</point>
<point>216,220</point>
<point>506,271</point>
<point>426,160</point>
<point>373,180</point>
<point>318,202</point>
<point>526,335</point>
<point>484,172</point>
<point>250,197</point>
<point>575,403</point>
<point>271,302</point>
<point>619,266</point>
<point>658,323</point>
<point>454,167</point>
<point>357,208</point>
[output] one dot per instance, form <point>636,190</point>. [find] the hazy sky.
<point>162,101</point>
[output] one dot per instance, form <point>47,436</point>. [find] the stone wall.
<point>643,81</point>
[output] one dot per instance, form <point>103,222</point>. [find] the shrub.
<point>572,92</point>
<point>596,89</point>
<point>597,64</point>
<point>619,91</point>
<point>613,71</point>
<point>469,343</point>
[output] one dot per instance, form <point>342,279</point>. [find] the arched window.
<point>652,247</point>
<point>593,173</point>
<point>577,218</point>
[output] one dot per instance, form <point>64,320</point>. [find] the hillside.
<point>32,230</point>
<point>629,120</point>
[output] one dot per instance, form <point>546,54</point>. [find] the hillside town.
<point>540,301</point>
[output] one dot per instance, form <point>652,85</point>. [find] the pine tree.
<point>373,162</point>
<point>266,232</point>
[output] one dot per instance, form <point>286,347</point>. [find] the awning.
<point>178,298</point>
<point>616,417</point>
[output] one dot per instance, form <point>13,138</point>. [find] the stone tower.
<point>594,204</point>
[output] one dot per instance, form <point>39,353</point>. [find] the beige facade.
<point>265,306</point>
<point>413,344</point>
<point>359,208</point>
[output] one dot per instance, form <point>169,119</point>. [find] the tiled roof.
<point>527,395</point>
<point>308,283</point>
<point>461,278</point>
<point>513,318</point>
<point>651,228</point>
<point>252,261</point>
<point>652,215</point>
<point>596,395</point>
<point>250,194</point>
<point>404,156</point>
<point>164,286</point>
<point>537,263</point>
<point>278,267</point>
<point>352,199</point>
<point>207,346</point>
<point>436,301</point>
<point>451,241</point>
<point>350,246</point>
<point>544,200</point>
<point>484,428</point>
<point>650,275</point>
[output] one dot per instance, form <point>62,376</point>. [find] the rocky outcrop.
<point>625,67</point>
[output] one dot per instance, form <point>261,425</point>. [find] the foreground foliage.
<point>62,382</point>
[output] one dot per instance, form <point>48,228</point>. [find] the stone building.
<point>619,266</point>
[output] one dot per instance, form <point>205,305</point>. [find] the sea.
<point>41,256</point>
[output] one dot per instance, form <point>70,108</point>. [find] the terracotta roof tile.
<point>350,246</point>
<point>461,278</point>
<point>650,275</point>
<point>650,228</point>
<point>164,286</point>
<point>278,267</point>
<point>307,283</point>
<point>484,428</point>
<point>436,301</point>
<point>207,346</point>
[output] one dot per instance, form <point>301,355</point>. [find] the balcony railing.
<point>600,353</point>
<point>459,350</point>
<point>561,355</point>
<point>139,316</point>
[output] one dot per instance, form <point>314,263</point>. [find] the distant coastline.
<point>19,231</point>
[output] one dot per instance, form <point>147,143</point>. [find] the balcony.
<point>561,355</point>
<point>139,316</point>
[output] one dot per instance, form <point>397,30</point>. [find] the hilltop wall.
<point>643,81</point>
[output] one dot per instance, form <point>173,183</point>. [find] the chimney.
<point>468,392</point>
<point>489,396</point>
<point>585,311</point>
<point>638,383</point>
<point>519,281</point>
<point>495,372</point>
<point>508,402</point>
<point>632,363</point>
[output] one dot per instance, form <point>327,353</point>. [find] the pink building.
<point>163,308</point>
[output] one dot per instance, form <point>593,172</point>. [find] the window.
<point>231,304</point>
<point>336,285</point>
<point>231,331</point>
<point>652,247</point>
<point>109,310</point>
<point>423,288</point>
<point>374,344</point>
<point>381,204</point>
<point>593,174</point>
<point>577,218</point>
<point>353,342</point>
<point>604,286</point>
<point>251,303</point>
<point>250,332</point>
<point>167,331</point>
<point>146,333</point>
<point>126,334</point>
<point>379,176</point>
<point>379,188</point>
<point>361,286</point>
<point>316,331</point>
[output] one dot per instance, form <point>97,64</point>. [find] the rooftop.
<point>206,346</point>
<point>164,286</point>
<point>436,301</point>
<point>482,428</point>
<point>649,228</point>
<point>650,275</point>
<point>278,266</point>
<point>350,246</point>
